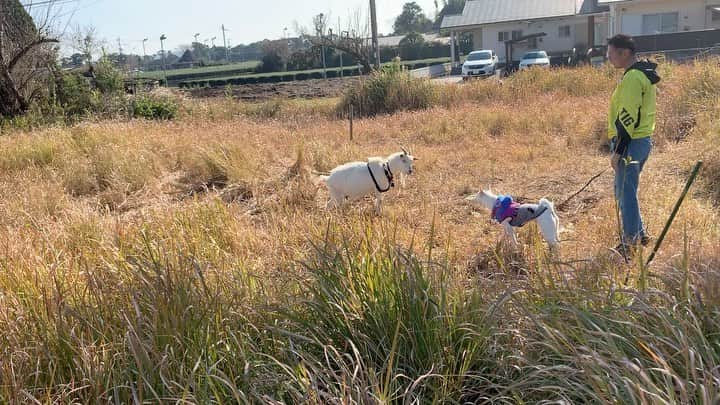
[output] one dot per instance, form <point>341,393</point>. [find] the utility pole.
<point>340,35</point>
<point>285,39</point>
<point>144,52</point>
<point>345,34</point>
<point>374,27</point>
<point>120,54</point>
<point>227,52</point>
<point>162,52</point>
<point>320,28</point>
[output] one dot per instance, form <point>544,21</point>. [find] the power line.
<point>48,3</point>
<point>65,14</point>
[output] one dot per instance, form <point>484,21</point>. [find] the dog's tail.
<point>550,208</point>
<point>545,203</point>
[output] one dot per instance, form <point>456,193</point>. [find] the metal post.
<point>341,64</point>
<point>322,49</point>
<point>144,53</point>
<point>452,49</point>
<point>321,36</point>
<point>339,38</point>
<point>373,24</point>
<point>227,53</point>
<point>352,112</point>
<point>675,210</point>
<point>162,51</point>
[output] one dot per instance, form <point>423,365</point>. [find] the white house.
<point>647,17</point>
<point>566,24</point>
<point>579,24</point>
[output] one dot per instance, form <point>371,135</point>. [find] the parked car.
<point>480,63</point>
<point>534,58</point>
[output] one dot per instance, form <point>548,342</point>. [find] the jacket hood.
<point>648,69</point>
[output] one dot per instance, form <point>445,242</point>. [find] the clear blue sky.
<point>247,20</point>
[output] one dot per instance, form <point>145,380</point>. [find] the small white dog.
<point>512,214</point>
<point>355,180</point>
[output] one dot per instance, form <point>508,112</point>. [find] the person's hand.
<point>615,161</point>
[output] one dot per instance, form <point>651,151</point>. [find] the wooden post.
<point>351,121</point>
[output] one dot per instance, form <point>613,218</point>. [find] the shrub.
<point>390,90</point>
<point>74,95</point>
<point>108,79</point>
<point>158,108</point>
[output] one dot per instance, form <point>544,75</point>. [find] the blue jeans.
<point>627,177</point>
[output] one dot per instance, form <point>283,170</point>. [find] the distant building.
<point>558,26</point>
<point>566,24</point>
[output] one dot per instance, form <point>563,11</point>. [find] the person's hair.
<point>622,41</point>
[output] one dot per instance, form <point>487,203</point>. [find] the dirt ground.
<point>314,88</point>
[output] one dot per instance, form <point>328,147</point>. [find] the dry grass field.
<point>193,260</point>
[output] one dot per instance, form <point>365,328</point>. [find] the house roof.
<point>479,12</point>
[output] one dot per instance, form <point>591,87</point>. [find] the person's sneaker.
<point>645,240</point>
<point>624,250</point>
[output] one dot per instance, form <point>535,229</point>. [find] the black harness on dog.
<point>388,174</point>
<point>527,213</point>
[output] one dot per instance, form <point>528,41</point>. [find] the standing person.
<point>631,123</point>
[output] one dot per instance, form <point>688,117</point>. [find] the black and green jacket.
<point>632,107</point>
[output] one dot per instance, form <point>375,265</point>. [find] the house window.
<point>716,14</point>
<point>517,34</point>
<point>601,30</point>
<point>659,23</point>
<point>503,36</point>
<point>564,31</point>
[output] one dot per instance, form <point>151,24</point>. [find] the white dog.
<point>512,214</point>
<point>354,180</point>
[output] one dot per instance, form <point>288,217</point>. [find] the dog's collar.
<point>388,175</point>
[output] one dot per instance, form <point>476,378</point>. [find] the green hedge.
<point>268,78</point>
<point>290,76</point>
<point>201,74</point>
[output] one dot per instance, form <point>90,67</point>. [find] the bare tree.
<point>27,56</point>
<point>354,39</point>
<point>320,23</point>
<point>85,41</point>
